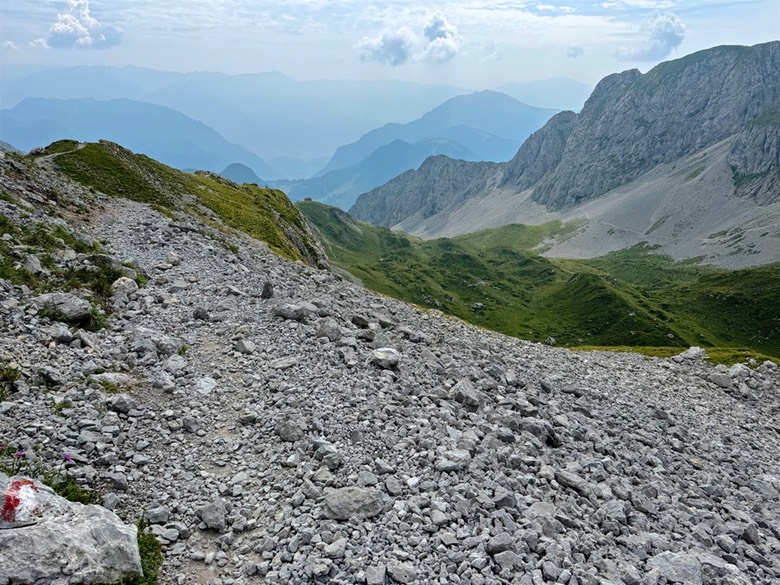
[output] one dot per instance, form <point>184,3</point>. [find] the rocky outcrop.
<point>439,182</point>
<point>754,157</point>
<point>541,153</point>
<point>634,122</point>
<point>45,539</point>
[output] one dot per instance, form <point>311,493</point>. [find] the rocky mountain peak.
<point>634,122</point>
<point>680,114</point>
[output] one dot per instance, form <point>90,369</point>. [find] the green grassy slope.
<point>495,279</point>
<point>265,214</point>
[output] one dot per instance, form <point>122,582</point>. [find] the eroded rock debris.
<point>326,434</point>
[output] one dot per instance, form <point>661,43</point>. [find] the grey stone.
<point>268,291</point>
<point>508,559</point>
<point>466,394</point>
<point>123,403</point>
<point>401,572</point>
<point>289,430</point>
<point>57,541</point>
<point>178,286</point>
<point>353,502</point>
<point>720,379</point>
<point>454,460</point>
<point>60,333</point>
<point>123,287</point>
<point>751,535</point>
<point>158,515</point>
<point>245,346</point>
<point>500,543</point>
<point>386,358</point>
<point>118,481</point>
<point>33,265</point>
<point>204,386</point>
<point>66,306</point>
<point>393,486</point>
<point>113,379</point>
<point>677,567</point>
<point>336,549</point>
<point>214,515</point>
<point>367,479</point>
<point>612,511</point>
<point>174,364</point>
<point>573,481</point>
<point>376,575</point>
<point>539,428</point>
<point>439,518</point>
<point>190,424</point>
<point>330,329</point>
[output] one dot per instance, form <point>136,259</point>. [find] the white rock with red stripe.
<point>47,539</point>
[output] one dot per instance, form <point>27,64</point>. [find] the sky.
<point>467,43</point>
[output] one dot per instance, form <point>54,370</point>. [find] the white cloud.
<point>10,45</point>
<point>77,28</point>
<point>658,37</point>
<point>442,38</point>
<point>438,43</point>
<point>390,48</point>
<point>575,51</point>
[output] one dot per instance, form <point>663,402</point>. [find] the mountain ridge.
<point>488,111</point>
<point>160,132</point>
<point>614,142</point>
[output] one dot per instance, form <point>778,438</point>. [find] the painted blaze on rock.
<point>19,504</point>
<point>47,539</point>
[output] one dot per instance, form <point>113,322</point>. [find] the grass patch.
<point>113,171</point>
<point>728,356</point>
<point>151,558</point>
<point>58,147</point>
<point>9,198</point>
<point>265,214</point>
<point>634,297</point>
<point>108,387</point>
<point>695,173</point>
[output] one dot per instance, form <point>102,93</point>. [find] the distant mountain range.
<point>291,124</point>
<point>159,132</point>
<point>342,186</point>
<point>269,113</point>
<point>471,127</point>
<point>490,124</point>
<point>240,174</point>
<point>684,156</point>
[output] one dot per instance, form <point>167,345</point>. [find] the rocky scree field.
<point>276,424</point>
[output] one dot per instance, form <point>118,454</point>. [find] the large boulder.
<point>46,539</point>
<point>353,502</point>
<point>65,306</point>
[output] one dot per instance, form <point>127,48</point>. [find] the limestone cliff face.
<point>541,153</point>
<point>755,159</point>
<point>439,182</point>
<point>634,122</point>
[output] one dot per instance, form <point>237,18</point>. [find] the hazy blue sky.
<point>469,43</point>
